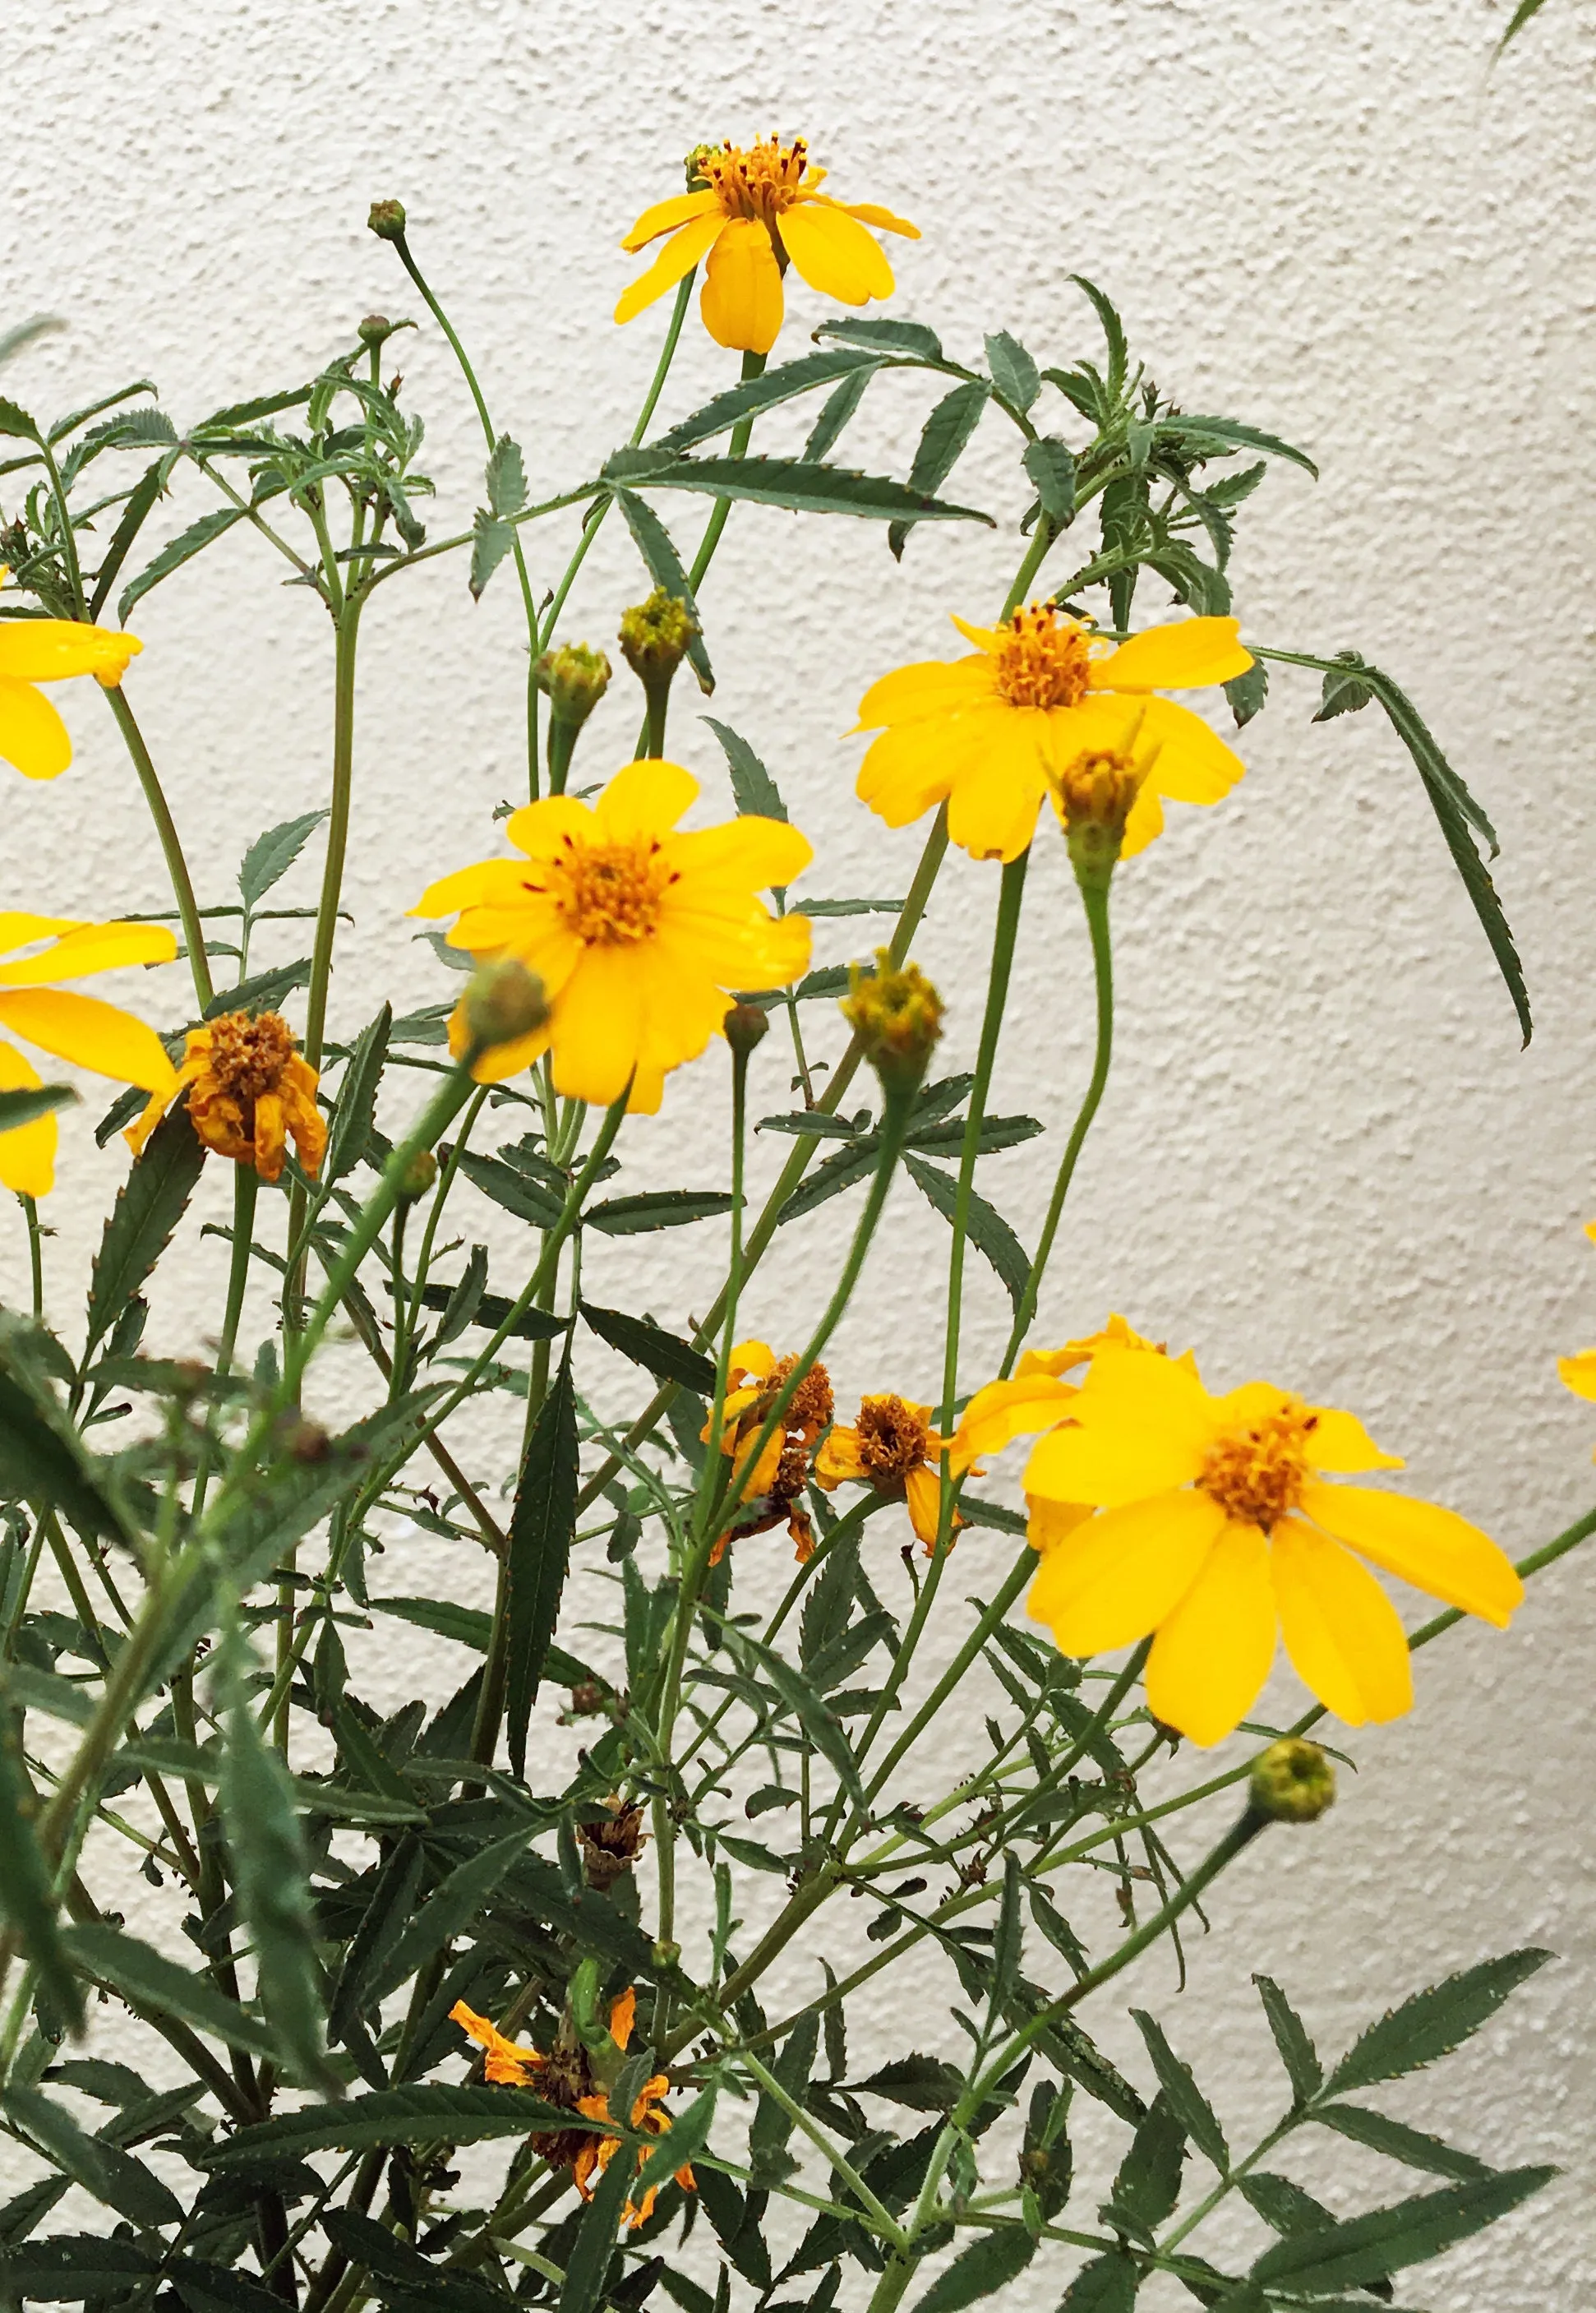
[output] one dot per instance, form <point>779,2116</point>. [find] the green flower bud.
<point>387,220</point>
<point>503,1002</point>
<point>896,1014</point>
<point>744,1027</point>
<point>1293,1782</point>
<point>655,636</point>
<point>574,679</point>
<point>417,1176</point>
<point>375,330</point>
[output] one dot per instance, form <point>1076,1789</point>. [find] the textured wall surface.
<point>1323,1157</point>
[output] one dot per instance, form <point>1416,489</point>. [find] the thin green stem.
<point>177,867</point>
<point>338,830</point>
<point>753,365</point>
<point>1041,540</point>
<point>1096,901</point>
<point>35,1252</point>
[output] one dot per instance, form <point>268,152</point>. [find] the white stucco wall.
<point>1323,1157</point>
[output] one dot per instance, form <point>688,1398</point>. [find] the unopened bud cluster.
<point>1293,1782</point>
<point>1095,795</point>
<point>656,636</point>
<point>896,1014</point>
<point>574,678</point>
<point>504,1001</point>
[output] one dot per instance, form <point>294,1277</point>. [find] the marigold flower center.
<point>757,181</point>
<point>892,1437</point>
<point>1041,664</point>
<point>1257,1474</point>
<point>810,1406</point>
<point>248,1055</point>
<point>608,893</point>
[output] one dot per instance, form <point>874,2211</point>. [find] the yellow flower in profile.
<point>77,1028</point>
<point>33,738</point>
<point>251,1091</point>
<point>893,1447</point>
<point>639,930</point>
<point>775,1481</point>
<point>989,733</point>
<point>760,206</point>
<point>1215,1531</point>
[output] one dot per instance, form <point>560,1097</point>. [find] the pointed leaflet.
<point>1113,330</point>
<point>182,548</point>
<point>942,444</point>
<point>655,544</point>
<point>540,1529</point>
<point>832,422</point>
<point>1401,2142</point>
<point>1410,2232</point>
<point>1107,2285</point>
<point>753,790</point>
<point>588,2264</point>
<point>141,499</point>
<point>988,1230</point>
<point>506,477</point>
<point>389,2256</point>
<point>912,340</point>
<point>270,858</point>
<point>151,1984</point>
<point>356,1112</point>
<point>1148,2184</point>
<point>1297,2051</point>
<point>664,1355</point>
<point>149,1205</point>
<point>656,1208</point>
<point>456,1902</point>
<point>982,2271</point>
<point>1237,436</point>
<point>801,487</point>
<point>754,394</point>
<point>687,2135</point>
<point>1186,2101</point>
<point>116,2178</point>
<point>42,1457</point>
<point>1434,2022</point>
<point>419,2115</point>
<point>27,1890</point>
<point>1014,372</point>
<point>26,1107</point>
<point>491,540</point>
<point>1052,470</point>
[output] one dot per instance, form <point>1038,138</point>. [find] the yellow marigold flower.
<point>77,1028</point>
<point>777,1479</point>
<point>636,929</point>
<point>1215,1531</point>
<point>33,738</point>
<point>760,207</point>
<point>989,734</point>
<point>893,1447</point>
<point>249,1092</point>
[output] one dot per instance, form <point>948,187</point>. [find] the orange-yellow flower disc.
<point>760,207</point>
<point>77,1028</point>
<point>989,734</point>
<point>34,739</point>
<point>893,1447</point>
<point>249,1092</point>
<point>639,930</point>
<point>1217,1532</point>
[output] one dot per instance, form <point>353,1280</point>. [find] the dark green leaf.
<point>1014,372</point>
<point>1113,330</point>
<point>664,1355</point>
<point>221,2289</point>
<point>1434,2022</point>
<point>1283,2205</point>
<point>491,1310</point>
<point>687,2136</point>
<point>982,2271</point>
<point>832,422</point>
<point>27,1890</point>
<point>837,1172</point>
<point>988,1230</point>
<point>847,907</point>
<point>419,2115</point>
<point>506,477</point>
<point>588,2264</point>
<point>116,2178</point>
<point>541,1526</point>
<point>382,1924</point>
<point>464,1301</point>
<point>942,444</point>
<point>1247,693</point>
<point>807,1705</point>
<point>657,1209</point>
<point>1386,2240</point>
<point>14,419</point>
<point>154,1985</point>
<point>1343,691</point>
<point>27,1105</point>
<point>664,565</point>
<point>245,413</point>
<point>885,338</point>
<point>802,488</point>
<point>263,991</point>
<point>491,540</point>
<point>811,1124</point>
<point>1190,2107</point>
<point>508,1186</point>
<point>1521,17</point>
<point>467,1626</point>
<point>753,790</point>
<point>755,394</point>
<point>182,548</point>
<point>72,2268</point>
<point>1245,437</point>
<point>1297,2051</point>
<point>1051,467</point>
<point>1107,2285</point>
<point>270,858</point>
<point>830,1598</point>
<point>387,2257</point>
<point>149,1204</point>
<point>356,1109</point>
<point>270,1877</point>
<point>452,1905</point>
<point>141,499</point>
<point>923,2084</point>
<point>1395,2137</point>
<point>28,2209</point>
<point>1148,2184</point>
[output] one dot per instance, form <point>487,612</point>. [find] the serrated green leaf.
<point>753,790</point>
<point>920,2083</point>
<point>1014,372</point>
<point>664,565</point>
<point>881,336</point>
<point>802,488</point>
<point>1386,2240</point>
<point>1148,2184</point>
<point>1113,329</point>
<point>452,1905</point>
<point>467,1626</point>
<point>980,2272</point>
<point>1107,2285</point>
<point>28,1102</point>
<point>664,1355</point>
<point>1297,2051</point>
<point>988,1230</point>
<point>1247,693</point>
<point>835,1173</point>
<point>1051,467</point>
<point>117,2179</point>
<point>752,395</point>
<point>355,1110</point>
<point>419,2285</point>
<point>807,1705</point>
<point>150,1203</point>
<point>491,540</point>
<point>15,420</point>
<point>506,476</point>
<point>27,1888</point>
<point>141,499</point>
<point>418,2114</point>
<point>942,442</point>
<point>1189,2105</point>
<point>1434,2022</point>
<point>270,857</point>
<point>1245,437</point>
<point>1401,2142</point>
<point>833,420</point>
<point>1521,17</point>
<point>263,991</point>
<point>151,1984</point>
<point>656,1208</point>
<point>588,2264</point>
<point>73,2268</point>
<point>543,1526</point>
<point>508,1186</point>
<point>182,548</point>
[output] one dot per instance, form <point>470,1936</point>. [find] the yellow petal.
<point>1141,1424</point>
<point>1186,655</point>
<point>834,253</point>
<point>28,1151</point>
<point>741,299</point>
<point>1343,1634</point>
<point>664,217</point>
<point>467,887</point>
<point>1340,1442</point>
<point>94,1034</point>
<point>840,1458</point>
<point>1212,1654</point>
<point>922,1492</point>
<point>884,221</point>
<point>992,809</point>
<point>1579,1374</point>
<point>642,799</point>
<point>679,256</point>
<point>597,1025</point>
<point>752,1361</point>
<point>540,829</point>
<point>753,854</point>
<point>932,686</point>
<point>1434,1549</point>
<point>1193,764</point>
<point>1117,1576</point>
<point>91,947</point>
<point>1047,1523</point>
<point>1145,822</point>
<point>1006,1410</point>
<point>18,929</point>
<point>990,639</point>
<point>50,650</point>
<point>32,736</point>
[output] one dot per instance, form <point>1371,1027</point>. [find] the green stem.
<point>753,365</point>
<point>35,1253</point>
<point>1014,1582</point>
<point>338,830</point>
<point>1041,540</point>
<point>177,867</point>
<point>1096,901</point>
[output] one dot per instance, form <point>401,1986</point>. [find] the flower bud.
<point>744,1027</point>
<point>417,1176</point>
<point>1293,1782</point>
<point>574,679</point>
<point>693,166</point>
<point>375,330</point>
<point>655,636</point>
<point>504,1001</point>
<point>896,1014</point>
<point>1095,795</point>
<point>387,220</point>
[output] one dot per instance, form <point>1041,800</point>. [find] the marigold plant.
<point>565,1987</point>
